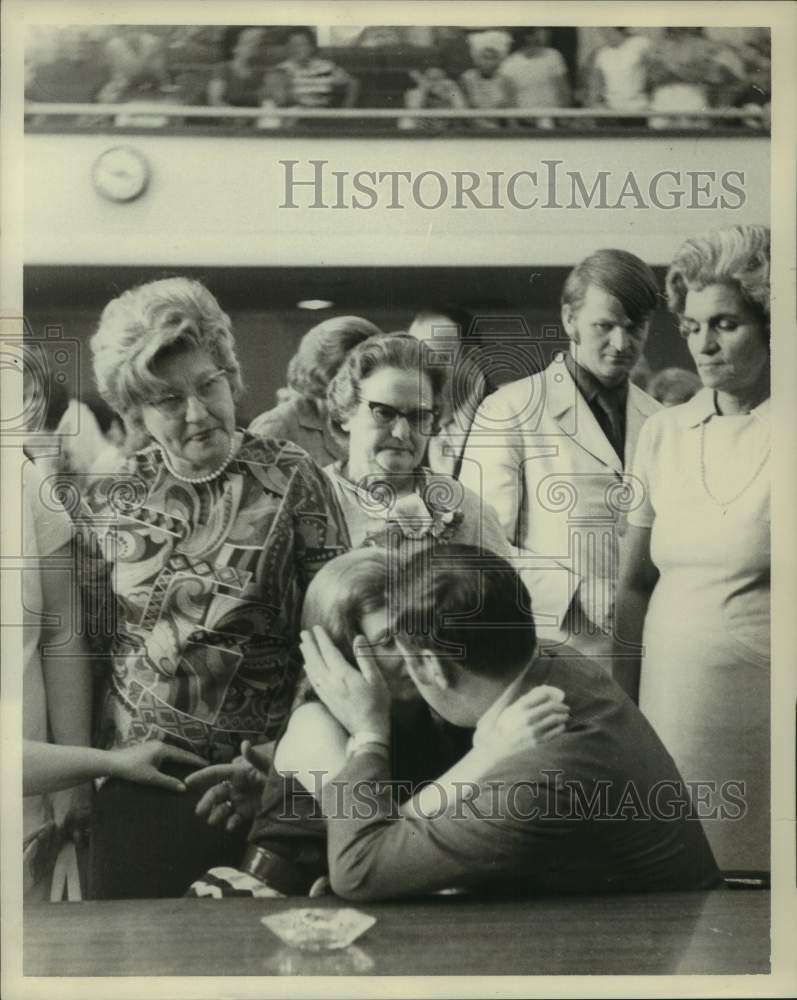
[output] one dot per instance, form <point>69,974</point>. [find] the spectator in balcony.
<point>139,68</point>
<point>316,82</point>
<point>193,51</point>
<point>618,77</point>
<point>301,414</point>
<point>673,386</point>
<point>197,44</point>
<point>755,50</point>
<point>275,94</point>
<point>434,89</point>
<point>483,85</point>
<point>74,75</point>
<point>238,82</point>
<point>539,74</point>
<point>747,52</point>
<point>687,72</point>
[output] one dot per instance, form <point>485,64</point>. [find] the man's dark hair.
<point>468,606</point>
<point>619,273</point>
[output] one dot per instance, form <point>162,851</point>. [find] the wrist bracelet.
<point>359,741</point>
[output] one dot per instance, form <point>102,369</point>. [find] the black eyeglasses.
<point>422,419</point>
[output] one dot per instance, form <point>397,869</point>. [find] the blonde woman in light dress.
<point>694,585</point>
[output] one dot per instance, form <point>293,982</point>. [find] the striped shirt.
<point>313,82</point>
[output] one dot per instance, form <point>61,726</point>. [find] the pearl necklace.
<point>211,475</point>
<point>724,504</point>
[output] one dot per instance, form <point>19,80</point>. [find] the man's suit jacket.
<point>600,807</point>
<point>537,454</point>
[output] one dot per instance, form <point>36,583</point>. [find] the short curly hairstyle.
<point>322,351</point>
<point>736,256</point>
<point>145,321</point>
<point>388,350</point>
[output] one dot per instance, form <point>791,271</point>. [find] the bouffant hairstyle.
<point>736,256</point>
<point>388,350</point>
<point>620,274</point>
<point>145,322</point>
<point>322,351</point>
<point>343,591</point>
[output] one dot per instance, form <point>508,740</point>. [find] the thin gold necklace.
<point>725,504</point>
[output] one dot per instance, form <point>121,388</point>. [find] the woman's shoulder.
<point>273,452</point>
<point>279,422</point>
<point>280,465</point>
<point>667,431</point>
<point>675,420</point>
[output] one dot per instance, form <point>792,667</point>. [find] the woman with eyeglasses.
<point>385,402</point>
<point>210,535</point>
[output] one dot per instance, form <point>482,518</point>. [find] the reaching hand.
<point>359,699</point>
<point>538,715</point>
<point>142,763</point>
<point>233,791</point>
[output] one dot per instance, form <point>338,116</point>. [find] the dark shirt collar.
<point>591,387</point>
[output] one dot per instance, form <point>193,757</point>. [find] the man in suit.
<point>598,806</point>
<point>548,452</point>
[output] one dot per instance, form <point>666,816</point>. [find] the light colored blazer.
<point>537,454</point>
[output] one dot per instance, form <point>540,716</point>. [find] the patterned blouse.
<point>209,580</point>
<point>441,510</point>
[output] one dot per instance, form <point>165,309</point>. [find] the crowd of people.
<point>659,79</point>
<point>510,614</point>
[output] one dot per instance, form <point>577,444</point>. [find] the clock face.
<point>120,174</point>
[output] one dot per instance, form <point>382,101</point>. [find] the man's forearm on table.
<point>375,852</point>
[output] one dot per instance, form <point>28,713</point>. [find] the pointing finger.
<point>209,776</point>
<point>176,755</point>
<point>165,781</point>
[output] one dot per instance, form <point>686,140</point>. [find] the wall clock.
<point>120,174</point>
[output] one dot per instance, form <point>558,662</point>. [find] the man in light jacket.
<point>549,452</point>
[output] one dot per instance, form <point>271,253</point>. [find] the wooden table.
<point>718,932</point>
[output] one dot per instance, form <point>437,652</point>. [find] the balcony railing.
<point>155,114</point>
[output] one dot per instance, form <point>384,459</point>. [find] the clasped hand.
<point>232,791</point>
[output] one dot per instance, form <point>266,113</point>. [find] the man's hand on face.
<point>359,699</point>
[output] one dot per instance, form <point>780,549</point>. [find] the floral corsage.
<point>428,517</point>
